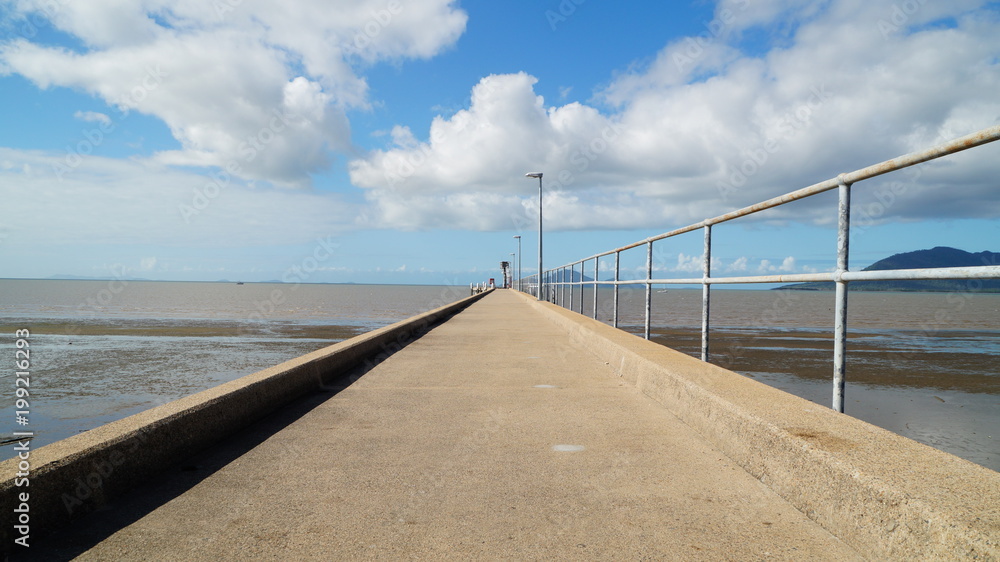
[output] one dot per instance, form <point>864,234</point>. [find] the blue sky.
<point>386,141</point>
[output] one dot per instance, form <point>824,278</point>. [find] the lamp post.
<point>518,261</point>
<point>539,176</point>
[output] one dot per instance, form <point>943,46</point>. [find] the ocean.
<point>923,365</point>
<point>104,350</point>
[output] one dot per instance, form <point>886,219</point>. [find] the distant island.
<point>935,257</point>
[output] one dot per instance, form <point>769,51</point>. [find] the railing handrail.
<point>841,276</point>
<point>973,140</point>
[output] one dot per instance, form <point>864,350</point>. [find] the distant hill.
<point>935,257</point>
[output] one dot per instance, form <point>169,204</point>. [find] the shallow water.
<point>101,351</point>
<point>923,365</point>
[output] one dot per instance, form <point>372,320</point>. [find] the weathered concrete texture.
<point>493,436</point>
<point>75,476</point>
<point>887,496</point>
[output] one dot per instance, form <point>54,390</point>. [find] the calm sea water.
<point>101,350</point>
<point>922,365</point>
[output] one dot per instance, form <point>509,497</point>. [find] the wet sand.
<point>874,358</point>
<point>202,329</point>
<point>86,374</point>
<point>947,397</point>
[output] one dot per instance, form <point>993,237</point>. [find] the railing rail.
<point>559,281</point>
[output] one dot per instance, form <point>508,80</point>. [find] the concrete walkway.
<point>493,436</point>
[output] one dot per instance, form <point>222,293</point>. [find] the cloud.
<point>788,265</point>
<point>740,264</point>
<point>156,206</point>
<point>93,117</point>
<point>715,122</point>
<point>472,168</point>
<point>693,264</point>
<point>271,97</point>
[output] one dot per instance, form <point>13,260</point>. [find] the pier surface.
<point>495,435</point>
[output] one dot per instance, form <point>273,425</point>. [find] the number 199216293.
<point>22,361</point>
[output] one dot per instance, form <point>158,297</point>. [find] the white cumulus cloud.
<point>263,86</point>
<point>715,123</point>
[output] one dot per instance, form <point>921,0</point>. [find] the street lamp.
<point>518,236</point>
<point>539,176</point>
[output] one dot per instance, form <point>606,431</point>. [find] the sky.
<point>387,141</point>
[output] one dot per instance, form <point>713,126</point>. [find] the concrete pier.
<point>520,431</point>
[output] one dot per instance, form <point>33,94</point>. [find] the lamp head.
<point>533,175</point>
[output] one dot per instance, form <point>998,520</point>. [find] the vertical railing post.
<point>556,285</point>
<point>583,268</point>
<point>572,276</point>
<point>559,289</point>
<point>566,277</point>
<point>649,287</point>
<point>597,273</point>
<point>562,298</point>
<point>840,325</point>
<point>706,293</point>
<point>618,263</point>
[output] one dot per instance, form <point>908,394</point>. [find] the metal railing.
<point>560,280</point>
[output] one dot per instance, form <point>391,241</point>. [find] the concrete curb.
<point>79,474</point>
<point>885,495</point>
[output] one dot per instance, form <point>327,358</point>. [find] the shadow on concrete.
<point>78,537</point>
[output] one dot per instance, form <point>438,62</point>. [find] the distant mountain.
<point>935,257</point>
